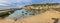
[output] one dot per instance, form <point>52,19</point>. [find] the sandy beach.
<point>39,18</point>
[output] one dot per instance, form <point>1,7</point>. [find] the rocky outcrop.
<point>39,7</point>
<point>7,12</point>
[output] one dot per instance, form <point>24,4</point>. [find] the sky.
<point>6,4</point>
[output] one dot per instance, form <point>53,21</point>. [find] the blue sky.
<point>5,4</point>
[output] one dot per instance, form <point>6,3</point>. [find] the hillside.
<point>43,7</point>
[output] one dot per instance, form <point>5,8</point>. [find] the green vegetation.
<point>49,4</point>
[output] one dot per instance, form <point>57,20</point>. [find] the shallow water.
<point>20,14</point>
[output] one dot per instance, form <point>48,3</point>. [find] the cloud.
<point>15,3</point>
<point>23,2</point>
<point>19,3</point>
<point>4,3</point>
